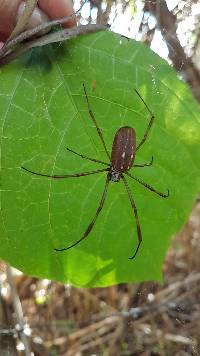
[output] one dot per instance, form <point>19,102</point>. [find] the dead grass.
<point>133,319</point>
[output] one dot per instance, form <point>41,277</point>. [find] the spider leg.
<point>86,157</point>
<point>91,225</point>
<point>95,123</point>
<point>149,124</point>
<point>145,164</point>
<point>139,233</point>
<point>149,186</point>
<point>82,174</point>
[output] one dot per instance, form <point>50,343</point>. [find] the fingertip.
<point>58,9</point>
<point>37,18</point>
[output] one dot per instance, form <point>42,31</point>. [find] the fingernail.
<point>37,18</point>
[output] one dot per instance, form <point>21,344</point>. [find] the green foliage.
<point>43,110</point>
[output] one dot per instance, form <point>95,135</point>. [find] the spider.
<point>121,160</point>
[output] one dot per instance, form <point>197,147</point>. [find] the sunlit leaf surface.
<point>43,110</point>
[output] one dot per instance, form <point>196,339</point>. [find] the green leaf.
<point>43,110</point>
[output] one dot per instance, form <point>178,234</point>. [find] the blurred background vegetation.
<point>41,317</point>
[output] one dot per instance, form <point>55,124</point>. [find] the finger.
<point>10,13</point>
<point>10,9</point>
<point>57,9</point>
<point>7,17</point>
<point>37,18</point>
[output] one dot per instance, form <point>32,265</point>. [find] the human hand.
<point>45,9</point>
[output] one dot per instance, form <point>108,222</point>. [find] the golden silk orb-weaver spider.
<point>121,160</point>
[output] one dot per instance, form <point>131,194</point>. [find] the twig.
<point>6,335</point>
<point>167,24</point>
<point>164,300</point>
<point>59,36</point>
<point>34,31</point>
<point>18,311</point>
<point>24,18</point>
<point>88,337</point>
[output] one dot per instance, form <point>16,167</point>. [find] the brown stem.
<point>167,23</point>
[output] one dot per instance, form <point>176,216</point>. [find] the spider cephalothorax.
<point>114,175</point>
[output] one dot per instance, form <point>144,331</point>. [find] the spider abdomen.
<point>123,149</point>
